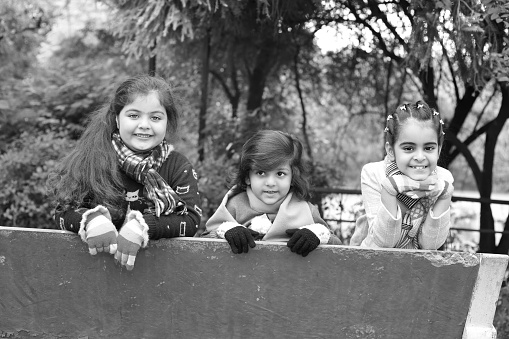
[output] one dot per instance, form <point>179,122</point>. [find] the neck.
<point>259,205</point>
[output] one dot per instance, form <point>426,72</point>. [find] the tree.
<point>444,44</point>
<point>245,43</point>
<point>23,26</point>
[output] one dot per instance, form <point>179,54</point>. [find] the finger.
<point>113,248</point>
<point>253,233</point>
<point>123,259</point>
<point>232,245</point>
<point>252,243</point>
<point>305,249</point>
<point>298,246</point>
<point>130,262</point>
<point>305,254</point>
<point>293,240</point>
<point>92,250</point>
<point>244,241</point>
<point>238,244</point>
<point>118,256</point>
<point>291,231</point>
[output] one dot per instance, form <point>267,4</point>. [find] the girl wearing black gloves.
<point>268,199</point>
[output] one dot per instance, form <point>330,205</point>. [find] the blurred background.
<point>328,72</point>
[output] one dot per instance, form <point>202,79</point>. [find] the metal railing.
<point>320,192</point>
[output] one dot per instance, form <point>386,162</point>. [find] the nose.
<point>419,156</point>
<point>270,181</point>
<point>143,123</point>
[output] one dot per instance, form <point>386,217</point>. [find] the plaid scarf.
<point>418,205</point>
<point>143,168</point>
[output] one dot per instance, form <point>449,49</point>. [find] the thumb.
<point>291,231</point>
<point>254,233</point>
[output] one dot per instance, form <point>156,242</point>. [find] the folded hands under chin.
<point>432,187</point>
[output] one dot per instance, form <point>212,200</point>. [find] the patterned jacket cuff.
<point>84,219</point>
<point>139,217</point>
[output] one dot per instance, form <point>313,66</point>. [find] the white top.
<point>384,229</point>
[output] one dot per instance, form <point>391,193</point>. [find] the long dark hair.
<point>89,174</point>
<point>268,149</point>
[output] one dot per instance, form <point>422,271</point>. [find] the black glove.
<point>302,241</point>
<point>240,239</point>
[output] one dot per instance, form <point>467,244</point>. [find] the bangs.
<point>269,162</point>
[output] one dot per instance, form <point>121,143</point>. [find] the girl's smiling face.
<point>271,187</point>
<point>416,150</point>
<point>142,123</point>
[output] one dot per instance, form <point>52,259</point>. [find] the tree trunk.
<point>235,97</point>
<point>202,120</point>
<point>461,112</point>
<point>152,61</point>
<point>503,245</point>
<point>428,85</point>
<point>152,65</point>
<point>258,77</point>
<point>487,240</point>
<point>304,114</point>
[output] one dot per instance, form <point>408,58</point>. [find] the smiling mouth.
<point>270,192</point>
<point>419,167</point>
<point>143,136</point>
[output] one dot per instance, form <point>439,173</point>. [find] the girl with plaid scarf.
<point>407,196</point>
<point>269,199</point>
<point>123,184</point>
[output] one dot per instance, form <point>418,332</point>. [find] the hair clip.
<point>386,129</point>
<point>441,122</point>
<point>435,112</point>
<point>389,117</point>
<point>403,108</point>
<point>420,106</point>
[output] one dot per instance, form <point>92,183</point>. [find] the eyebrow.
<point>404,143</point>
<point>138,111</point>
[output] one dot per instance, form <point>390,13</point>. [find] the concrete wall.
<point>50,287</point>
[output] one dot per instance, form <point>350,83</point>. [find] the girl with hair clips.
<point>407,196</point>
<point>268,199</point>
<point>123,175</point>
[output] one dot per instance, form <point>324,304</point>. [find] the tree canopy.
<point>244,65</point>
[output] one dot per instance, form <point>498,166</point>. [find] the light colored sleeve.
<point>436,228</point>
<point>384,229</point>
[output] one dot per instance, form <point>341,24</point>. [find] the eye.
<point>260,173</point>
<point>156,118</point>
<point>408,148</point>
<point>133,115</point>
<point>281,174</point>
<point>429,148</point>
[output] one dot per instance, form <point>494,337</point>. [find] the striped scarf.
<point>417,205</point>
<point>143,168</point>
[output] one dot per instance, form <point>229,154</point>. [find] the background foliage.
<point>327,71</point>
<point>241,66</point>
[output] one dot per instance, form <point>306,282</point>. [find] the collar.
<point>259,205</point>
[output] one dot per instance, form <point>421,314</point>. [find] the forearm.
<point>441,206</point>
<point>389,201</point>
<point>172,226</point>
<point>384,229</point>
<point>435,230</point>
<point>69,220</point>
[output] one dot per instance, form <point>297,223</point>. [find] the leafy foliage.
<point>25,168</point>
